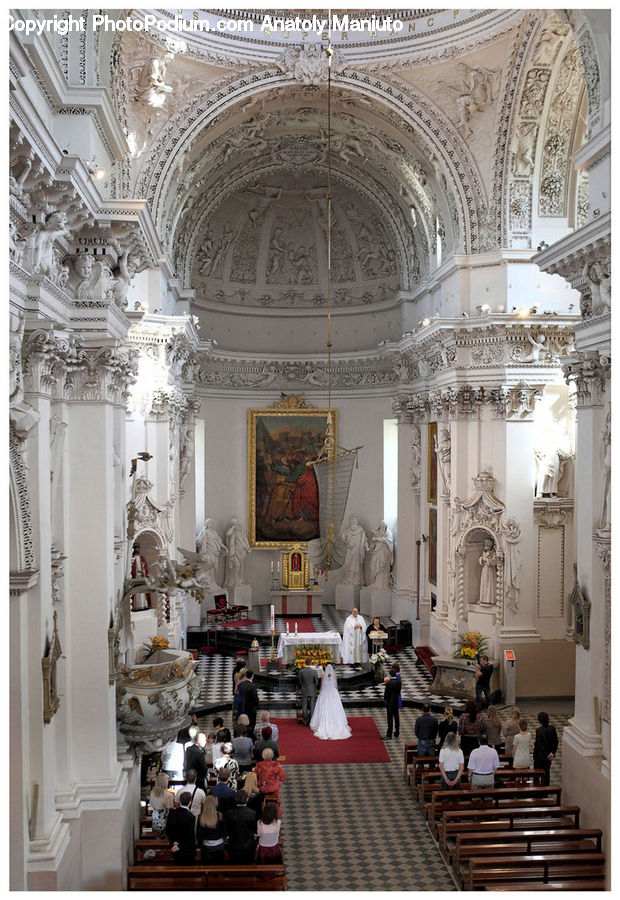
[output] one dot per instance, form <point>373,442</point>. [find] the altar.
<point>456,677</point>
<point>288,643</point>
<point>297,603</point>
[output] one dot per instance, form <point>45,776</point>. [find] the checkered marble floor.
<point>216,672</point>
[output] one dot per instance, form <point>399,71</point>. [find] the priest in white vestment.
<point>354,644</point>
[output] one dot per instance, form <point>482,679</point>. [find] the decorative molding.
<point>20,506</point>
<point>581,614</point>
<point>590,372</point>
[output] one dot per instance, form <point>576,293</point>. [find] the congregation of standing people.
<point>229,805</point>
<point>481,736</point>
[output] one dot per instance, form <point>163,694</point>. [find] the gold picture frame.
<point>431,475</point>
<point>282,490</point>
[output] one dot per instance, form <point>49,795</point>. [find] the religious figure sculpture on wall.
<point>605,523</point>
<point>139,569</point>
<point>548,472</point>
<point>356,544</point>
<point>209,545</point>
<point>151,88</point>
<point>488,564</point>
<point>382,557</point>
<point>600,287</point>
<point>443,451</point>
<point>237,548</point>
<point>512,535</point>
<point>22,416</point>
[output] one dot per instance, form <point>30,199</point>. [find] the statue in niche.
<point>488,564</point>
<point>605,524</point>
<point>356,544</point>
<point>443,450</point>
<point>382,557</point>
<point>209,547</point>
<point>151,88</point>
<point>548,472</point>
<point>237,548</point>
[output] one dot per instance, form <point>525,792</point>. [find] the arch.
<point>461,551</point>
<point>414,113</point>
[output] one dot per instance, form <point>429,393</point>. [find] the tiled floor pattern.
<point>357,828</point>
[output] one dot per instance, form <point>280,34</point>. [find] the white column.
<point>406,536</point>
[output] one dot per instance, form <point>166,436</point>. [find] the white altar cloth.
<point>288,642</point>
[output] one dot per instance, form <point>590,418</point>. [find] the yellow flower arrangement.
<point>470,644</point>
<point>155,644</point>
<point>319,656</point>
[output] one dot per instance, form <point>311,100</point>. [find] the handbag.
<point>160,818</point>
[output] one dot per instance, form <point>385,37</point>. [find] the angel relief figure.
<point>478,91</point>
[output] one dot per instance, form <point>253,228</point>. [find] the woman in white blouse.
<point>451,762</point>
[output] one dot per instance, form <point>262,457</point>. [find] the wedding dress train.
<point>329,721</point>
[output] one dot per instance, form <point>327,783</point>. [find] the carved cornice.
<point>465,401</point>
<point>589,371</point>
<point>553,513</point>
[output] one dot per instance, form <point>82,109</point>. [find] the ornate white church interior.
<point>240,245</point>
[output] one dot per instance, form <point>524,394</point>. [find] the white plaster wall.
<point>360,421</point>
<point>287,332</point>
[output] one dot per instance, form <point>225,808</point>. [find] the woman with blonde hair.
<point>210,832</point>
<point>510,728</point>
<point>161,802</point>
<point>447,725</point>
<point>250,786</point>
<point>492,727</point>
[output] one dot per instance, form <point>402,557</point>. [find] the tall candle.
<point>295,627</point>
<point>273,619</point>
<point>272,567</point>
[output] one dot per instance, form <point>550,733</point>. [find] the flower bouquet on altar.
<point>320,656</point>
<point>470,645</point>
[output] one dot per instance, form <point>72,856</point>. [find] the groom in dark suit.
<point>309,683</point>
<point>391,696</point>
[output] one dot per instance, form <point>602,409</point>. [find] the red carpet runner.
<point>304,624</point>
<point>300,747</point>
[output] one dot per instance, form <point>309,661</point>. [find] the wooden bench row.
<point>431,781</point>
<point>226,877</point>
<point>513,837</point>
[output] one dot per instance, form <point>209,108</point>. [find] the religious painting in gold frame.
<point>432,546</point>
<point>431,479</point>
<point>283,497</point>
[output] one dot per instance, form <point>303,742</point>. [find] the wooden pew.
<point>431,781</point>
<point>227,877</point>
<point>526,842</point>
<point>420,765</point>
<point>488,797</point>
<point>459,821</point>
<point>539,867</point>
<point>596,884</point>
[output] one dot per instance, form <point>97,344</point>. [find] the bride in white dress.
<point>329,721</point>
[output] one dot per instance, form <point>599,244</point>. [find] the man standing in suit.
<point>249,699</point>
<point>195,759</point>
<point>391,694</point>
<point>241,827</point>
<point>181,831</point>
<point>309,683</point>
<point>545,745</point>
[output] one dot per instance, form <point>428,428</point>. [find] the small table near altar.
<point>288,643</point>
<point>297,603</point>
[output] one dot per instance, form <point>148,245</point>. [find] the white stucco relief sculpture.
<point>478,91</point>
<point>605,520</point>
<point>308,64</point>
<point>150,85</point>
<point>522,150</point>
<point>356,545</point>
<point>443,450</point>
<point>488,564</point>
<point>22,416</point>
<point>17,244</point>
<point>237,547</point>
<point>512,535</point>
<point>551,465</point>
<point>55,227</point>
<point>127,267</point>
<point>597,275</point>
<point>381,558</point>
<point>186,452</point>
<point>416,458</point>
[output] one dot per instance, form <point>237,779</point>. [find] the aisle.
<point>355,827</point>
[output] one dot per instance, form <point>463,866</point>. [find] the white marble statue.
<point>511,532</point>
<point>237,548</point>
<point>55,227</point>
<point>548,472</point>
<point>356,544</point>
<point>382,557</point>
<point>488,563</point>
<point>124,272</point>
<point>209,548</point>
<point>22,416</point>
